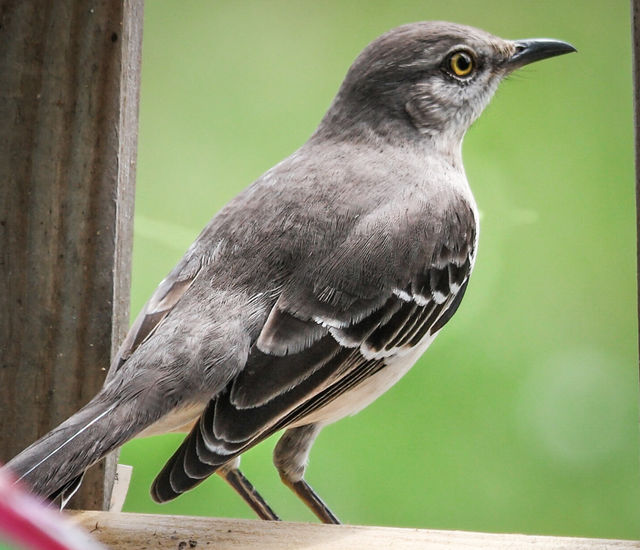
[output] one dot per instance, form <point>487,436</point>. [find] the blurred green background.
<point>523,415</point>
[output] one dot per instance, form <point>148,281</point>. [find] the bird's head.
<point>430,79</point>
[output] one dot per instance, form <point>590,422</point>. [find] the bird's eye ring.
<point>460,64</point>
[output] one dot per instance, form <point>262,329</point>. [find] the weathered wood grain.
<point>141,531</point>
<point>69,86</point>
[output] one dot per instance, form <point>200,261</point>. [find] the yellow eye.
<point>461,64</point>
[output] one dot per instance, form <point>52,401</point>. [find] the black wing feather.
<point>275,391</point>
<point>304,360</point>
<point>265,378</point>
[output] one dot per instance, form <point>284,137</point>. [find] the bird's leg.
<point>241,485</point>
<point>290,458</point>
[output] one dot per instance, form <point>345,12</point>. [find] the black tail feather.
<point>53,466</point>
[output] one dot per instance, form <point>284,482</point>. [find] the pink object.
<point>27,522</point>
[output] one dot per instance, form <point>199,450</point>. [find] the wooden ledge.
<point>142,531</point>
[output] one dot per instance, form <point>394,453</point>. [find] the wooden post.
<point>69,86</point>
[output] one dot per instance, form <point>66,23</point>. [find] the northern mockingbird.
<point>314,290</point>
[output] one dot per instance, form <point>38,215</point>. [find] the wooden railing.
<point>129,531</point>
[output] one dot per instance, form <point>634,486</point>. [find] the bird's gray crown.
<point>429,79</point>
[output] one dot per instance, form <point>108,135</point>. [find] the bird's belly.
<point>180,419</point>
<point>369,390</point>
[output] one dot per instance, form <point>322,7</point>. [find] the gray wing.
<point>324,336</point>
<point>161,303</point>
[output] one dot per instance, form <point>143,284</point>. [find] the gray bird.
<point>314,290</point>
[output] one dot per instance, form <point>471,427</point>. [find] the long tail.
<point>58,458</point>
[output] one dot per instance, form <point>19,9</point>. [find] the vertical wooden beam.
<point>635,31</point>
<point>69,87</point>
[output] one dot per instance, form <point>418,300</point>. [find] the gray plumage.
<point>316,288</point>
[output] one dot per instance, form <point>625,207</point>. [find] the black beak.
<point>535,49</point>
